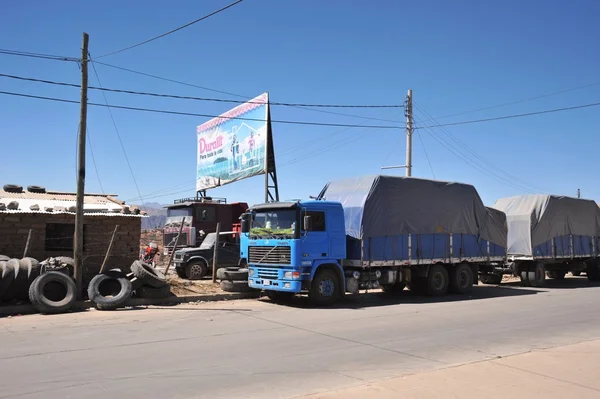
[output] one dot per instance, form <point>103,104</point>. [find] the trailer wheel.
<point>438,281</point>
<point>325,288</point>
<point>461,279</point>
<point>537,274</point>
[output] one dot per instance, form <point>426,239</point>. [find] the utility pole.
<point>578,193</point>
<point>78,248</point>
<point>409,132</point>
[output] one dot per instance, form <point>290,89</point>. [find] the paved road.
<point>250,349</point>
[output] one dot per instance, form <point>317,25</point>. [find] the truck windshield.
<point>175,215</point>
<point>277,222</point>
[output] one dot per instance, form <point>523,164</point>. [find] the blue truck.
<point>371,232</point>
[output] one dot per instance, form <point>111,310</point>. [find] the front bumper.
<point>269,278</point>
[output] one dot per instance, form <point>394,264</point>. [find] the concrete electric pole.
<point>578,193</point>
<point>409,132</point>
<point>78,239</point>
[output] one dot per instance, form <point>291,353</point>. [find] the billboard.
<point>233,146</point>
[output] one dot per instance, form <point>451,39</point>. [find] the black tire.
<point>4,258</point>
<point>53,292</point>
<point>148,275</point>
<point>13,188</point>
<point>461,279</point>
<point>19,288</point>
<point>325,288</point>
<point>279,296</point>
<point>593,272</point>
<point>556,274</point>
<point>576,274</point>
<point>196,270</point>
<point>108,292</point>
<point>34,268</point>
<point>235,286</point>
<point>438,281</point>
<point>36,189</point>
<point>537,275</point>
<point>153,293</point>
<point>393,288</point>
<point>7,272</point>
<point>232,275</point>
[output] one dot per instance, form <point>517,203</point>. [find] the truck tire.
<point>196,270</point>
<point>556,274</point>
<point>148,275</point>
<point>239,274</point>
<point>438,281</point>
<point>461,279</point>
<point>53,292</point>
<point>109,292</point>
<point>235,286</point>
<point>7,275</point>
<point>325,289</point>
<point>593,272</point>
<point>537,275</point>
<point>393,288</point>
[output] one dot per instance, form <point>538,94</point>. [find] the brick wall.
<point>14,229</point>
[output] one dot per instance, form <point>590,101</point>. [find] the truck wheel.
<point>593,272</point>
<point>537,274</point>
<point>325,288</point>
<point>393,288</point>
<point>437,281</point>
<point>461,279</point>
<point>196,270</point>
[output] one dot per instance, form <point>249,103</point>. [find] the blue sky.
<point>456,56</point>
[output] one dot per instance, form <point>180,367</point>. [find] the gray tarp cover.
<point>389,205</point>
<point>534,219</point>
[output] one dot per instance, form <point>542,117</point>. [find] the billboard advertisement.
<point>233,146</point>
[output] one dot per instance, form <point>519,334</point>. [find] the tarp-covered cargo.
<point>541,225</point>
<point>384,211</point>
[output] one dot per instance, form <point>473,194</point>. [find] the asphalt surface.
<point>248,349</point>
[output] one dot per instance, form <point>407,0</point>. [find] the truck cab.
<point>295,247</point>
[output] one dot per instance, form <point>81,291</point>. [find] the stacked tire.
<point>16,276</point>
<point>112,290</point>
<point>233,279</point>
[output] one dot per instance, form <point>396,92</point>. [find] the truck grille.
<point>169,238</point>
<point>269,274</point>
<point>270,255</point>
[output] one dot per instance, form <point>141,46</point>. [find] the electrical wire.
<point>52,82</point>
<point>38,55</point>
<point>159,111</point>
<point>547,111</point>
<point>521,101</point>
<point>174,30</point>
<point>120,140</point>
<point>234,94</point>
<point>89,140</point>
<point>426,154</point>
<point>475,154</point>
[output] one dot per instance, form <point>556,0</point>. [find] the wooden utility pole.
<point>78,247</point>
<point>216,254</point>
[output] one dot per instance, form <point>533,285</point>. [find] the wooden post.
<point>109,250</point>
<point>175,246</point>
<point>27,243</point>
<point>216,254</point>
<point>78,247</point>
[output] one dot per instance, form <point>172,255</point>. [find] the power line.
<point>174,30</point>
<point>160,111</point>
<point>460,143</point>
<point>53,82</point>
<point>426,155</point>
<point>521,101</point>
<point>548,111</point>
<point>38,55</point>
<point>233,94</point>
<point>120,140</point>
<point>89,140</point>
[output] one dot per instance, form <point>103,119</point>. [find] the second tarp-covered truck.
<point>548,235</point>
<point>371,232</point>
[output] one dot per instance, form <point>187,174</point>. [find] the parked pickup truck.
<point>371,232</point>
<point>196,263</point>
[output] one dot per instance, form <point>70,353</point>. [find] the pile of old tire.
<point>53,290</point>
<point>152,282</point>
<point>16,276</point>
<point>233,279</point>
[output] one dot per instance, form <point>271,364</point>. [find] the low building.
<point>50,215</point>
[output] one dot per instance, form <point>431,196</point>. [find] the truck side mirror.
<point>307,223</point>
<point>245,223</point>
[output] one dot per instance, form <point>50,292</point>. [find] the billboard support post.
<point>271,170</point>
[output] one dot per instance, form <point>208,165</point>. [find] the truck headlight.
<point>250,272</point>
<point>291,275</point>
<point>377,273</point>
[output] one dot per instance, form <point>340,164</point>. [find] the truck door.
<point>316,241</point>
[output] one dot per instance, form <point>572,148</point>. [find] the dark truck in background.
<point>201,217</point>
